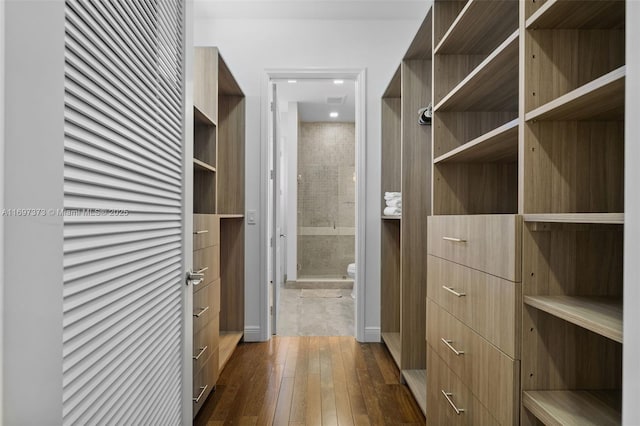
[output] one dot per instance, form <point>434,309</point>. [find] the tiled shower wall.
<point>326,199</point>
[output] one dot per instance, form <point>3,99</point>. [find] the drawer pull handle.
<point>197,282</point>
<point>448,395</point>
<point>202,311</point>
<point>204,231</point>
<point>202,391</point>
<point>202,270</point>
<point>202,350</point>
<point>448,343</point>
<point>455,240</point>
<point>451,290</point>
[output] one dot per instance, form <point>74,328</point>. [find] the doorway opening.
<point>316,153</point>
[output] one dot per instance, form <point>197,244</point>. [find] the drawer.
<point>489,243</point>
<point>204,381</point>
<point>440,410</point>
<point>206,305</point>
<point>208,261</point>
<point>492,376</point>
<point>489,305</point>
<point>206,342</point>
<point>206,230</point>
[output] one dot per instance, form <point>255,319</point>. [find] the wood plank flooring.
<point>310,380</point>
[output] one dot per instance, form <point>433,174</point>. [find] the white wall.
<point>34,88</point>
<point>251,46</point>
<point>631,348</point>
<point>2,27</point>
<point>291,194</point>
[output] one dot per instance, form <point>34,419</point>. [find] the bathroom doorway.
<point>314,205</point>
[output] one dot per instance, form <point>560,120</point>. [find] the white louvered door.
<point>123,227</point>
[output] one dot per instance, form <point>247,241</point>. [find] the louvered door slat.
<point>123,273</point>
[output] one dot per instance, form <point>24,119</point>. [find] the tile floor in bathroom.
<point>315,316</point>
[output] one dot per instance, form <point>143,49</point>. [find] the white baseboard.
<point>372,334</point>
<point>253,334</point>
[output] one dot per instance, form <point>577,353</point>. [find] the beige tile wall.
<point>326,196</point>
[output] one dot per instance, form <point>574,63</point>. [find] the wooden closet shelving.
<point>602,218</point>
<point>468,32</point>
<point>598,314</point>
<point>572,203</point>
<point>585,408</point>
<point>406,168</point>
<point>477,91</point>
<point>218,202</point>
<point>600,99</point>
<point>581,14</point>
<point>474,245</point>
<point>500,144</point>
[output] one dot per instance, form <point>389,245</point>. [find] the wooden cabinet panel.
<point>208,261</point>
<point>204,380</point>
<point>489,243</point>
<point>489,305</point>
<point>206,305</point>
<point>206,230</point>
<point>492,376</point>
<point>206,343</point>
<point>442,411</point>
<point>205,82</point>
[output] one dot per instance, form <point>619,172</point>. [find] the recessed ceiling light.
<point>338,81</point>
<point>292,81</point>
<point>333,114</point>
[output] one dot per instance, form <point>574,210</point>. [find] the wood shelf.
<point>600,99</point>
<point>578,14</point>
<point>597,408</point>
<point>391,217</point>
<point>595,218</point>
<point>417,383</point>
<point>491,86</point>
<point>479,27</point>
<point>602,315</point>
<point>231,216</point>
<point>392,340</point>
<point>228,342</point>
<point>202,118</point>
<point>201,165</point>
<point>498,145</point>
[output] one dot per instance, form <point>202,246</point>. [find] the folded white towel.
<point>392,195</point>
<point>394,203</point>
<point>392,211</point>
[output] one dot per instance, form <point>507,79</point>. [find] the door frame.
<point>359,77</point>
<point>187,218</point>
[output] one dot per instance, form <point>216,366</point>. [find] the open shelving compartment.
<point>230,209</point>
<point>390,226</point>
<point>475,122</point>
<point>573,207</point>
<point>406,168</point>
<point>572,323</point>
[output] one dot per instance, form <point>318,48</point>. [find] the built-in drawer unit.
<point>206,230</point>
<point>206,305</point>
<point>449,401</point>
<point>489,243</point>
<point>207,261</point>
<point>489,305</point>
<point>205,343</point>
<point>204,380</point>
<point>491,375</point>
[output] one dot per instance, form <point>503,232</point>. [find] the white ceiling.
<point>310,9</point>
<point>312,99</point>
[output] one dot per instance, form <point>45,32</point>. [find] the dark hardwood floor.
<point>310,381</point>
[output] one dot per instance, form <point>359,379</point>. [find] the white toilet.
<point>351,272</point>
